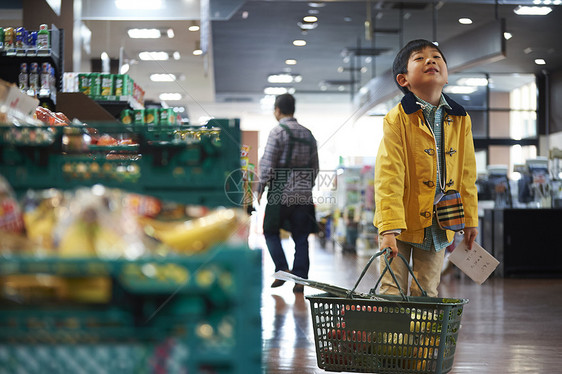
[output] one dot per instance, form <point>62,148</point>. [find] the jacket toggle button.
<point>429,183</point>
<point>451,151</point>
<point>429,151</point>
<point>450,183</point>
<point>425,214</point>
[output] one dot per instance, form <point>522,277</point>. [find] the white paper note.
<point>477,263</point>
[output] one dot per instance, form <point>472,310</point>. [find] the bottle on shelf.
<point>45,89</point>
<point>9,38</point>
<point>43,41</point>
<point>33,79</point>
<point>1,38</point>
<point>23,78</point>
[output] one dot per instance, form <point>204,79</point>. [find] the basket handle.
<point>387,251</point>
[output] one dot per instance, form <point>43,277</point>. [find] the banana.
<point>201,233</point>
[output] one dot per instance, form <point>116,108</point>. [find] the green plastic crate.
<point>185,164</point>
<point>204,317</point>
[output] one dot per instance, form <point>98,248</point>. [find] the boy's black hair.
<point>285,103</point>
<point>400,64</point>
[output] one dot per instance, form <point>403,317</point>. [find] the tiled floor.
<point>509,325</point>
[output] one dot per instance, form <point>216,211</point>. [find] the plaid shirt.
<point>434,236</point>
<point>296,172</point>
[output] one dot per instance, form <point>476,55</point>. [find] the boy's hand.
<point>389,240</point>
<point>470,234</point>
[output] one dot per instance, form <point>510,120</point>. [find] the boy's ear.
<point>402,80</point>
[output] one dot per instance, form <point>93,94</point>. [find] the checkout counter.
<point>524,231</point>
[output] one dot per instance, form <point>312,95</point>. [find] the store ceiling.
<point>250,40</point>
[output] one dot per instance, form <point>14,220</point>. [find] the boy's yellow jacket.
<point>406,167</point>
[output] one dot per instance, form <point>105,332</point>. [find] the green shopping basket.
<point>385,334</point>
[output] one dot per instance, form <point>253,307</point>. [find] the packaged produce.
<point>93,223</point>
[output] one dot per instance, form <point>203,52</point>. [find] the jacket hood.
<point>410,106</point>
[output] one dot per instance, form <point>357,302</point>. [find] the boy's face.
<point>426,70</point>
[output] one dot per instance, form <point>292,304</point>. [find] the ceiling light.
<point>540,61</point>
<point>507,35</point>
<point>176,55</point>
<point>245,14</point>
<point>537,2</point>
<point>138,4</point>
<point>299,43</point>
<point>316,4</point>
<point>275,90</point>
<point>476,82</point>
<point>528,50</point>
<point>313,11</point>
<point>465,21</point>
<point>124,68</point>
<point>340,69</point>
<point>307,26</point>
<point>144,33</point>
<point>546,2</point>
<point>170,33</point>
<point>170,96</point>
<point>291,62</point>
<point>557,2</point>
<point>194,26</point>
<point>284,78</point>
<point>163,77</point>
<point>153,56</point>
<point>459,89</point>
<point>522,10</point>
<point>310,19</point>
<point>197,52</point>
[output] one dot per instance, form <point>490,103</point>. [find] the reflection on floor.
<point>510,326</point>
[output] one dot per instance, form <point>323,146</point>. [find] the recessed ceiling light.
<point>557,2</point>
<point>316,4</point>
<point>291,62</point>
<point>522,10</point>
<point>304,26</point>
<point>284,78</point>
<point>527,50</point>
<point>310,19</point>
<point>170,96</point>
<point>275,90</point>
<point>193,27</point>
<point>163,77</point>
<point>144,33</point>
<point>540,61</point>
<point>197,52</point>
<point>313,11</point>
<point>138,4</point>
<point>299,43</point>
<point>176,55</point>
<point>170,33</point>
<point>465,21</point>
<point>507,35</point>
<point>153,56</point>
<point>340,69</point>
<point>547,2</point>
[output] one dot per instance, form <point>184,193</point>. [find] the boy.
<point>427,149</point>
